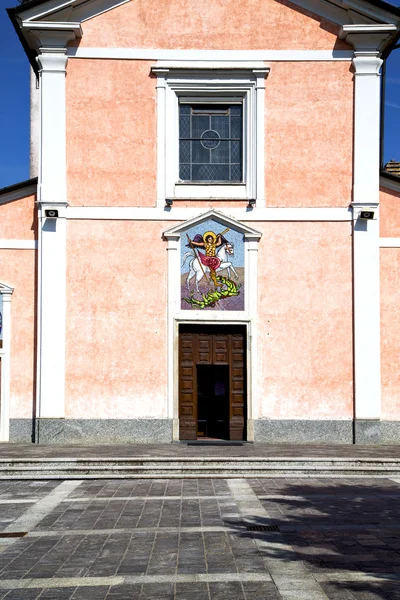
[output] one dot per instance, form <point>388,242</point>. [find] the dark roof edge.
<point>31,54</point>
<point>391,176</point>
<point>18,186</point>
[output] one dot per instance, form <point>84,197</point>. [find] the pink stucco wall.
<point>17,269</point>
<point>309,132</point>
<point>18,219</point>
<point>390,332</point>
<point>389,213</point>
<point>116,361</point>
<point>215,24</point>
<point>305,321</point>
<point>111,133</point>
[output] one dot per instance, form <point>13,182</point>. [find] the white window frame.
<point>213,82</point>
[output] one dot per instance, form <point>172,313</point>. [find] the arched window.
<point>5,341</point>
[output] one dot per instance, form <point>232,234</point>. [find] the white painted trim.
<point>389,184</point>
<point>18,244</point>
<point>366,268</point>
<point>52,185</point>
<point>6,292</point>
<point>78,11</point>
<point>30,190</point>
<point>239,56</point>
<point>213,214</point>
<point>173,275</point>
<point>339,12</point>
<point>211,81</point>
<point>51,314</point>
<point>389,243</point>
<point>176,213</point>
<point>177,316</point>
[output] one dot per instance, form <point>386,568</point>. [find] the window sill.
<point>206,191</point>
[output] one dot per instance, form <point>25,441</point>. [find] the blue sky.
<point>14,104</point>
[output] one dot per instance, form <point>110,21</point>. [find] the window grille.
<point>211,143</point>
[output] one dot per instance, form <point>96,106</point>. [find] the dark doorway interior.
<point>213,401</point>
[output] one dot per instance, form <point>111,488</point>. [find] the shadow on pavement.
<point>345,533</point>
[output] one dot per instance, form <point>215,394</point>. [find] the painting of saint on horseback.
<point>212,268</point>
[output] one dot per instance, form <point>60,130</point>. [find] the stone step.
<point>195,467</point>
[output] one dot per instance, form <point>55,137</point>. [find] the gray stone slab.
<point>89,431</point>
<point>21,430</point>
<point>303,431</point>
<point>377,432</point>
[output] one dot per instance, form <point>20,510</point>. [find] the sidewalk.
<point>182,449</point>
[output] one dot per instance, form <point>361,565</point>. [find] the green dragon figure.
<point>228,289</point>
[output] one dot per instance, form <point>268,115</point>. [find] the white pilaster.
<point>161,138</point>
<point>5,365</point>
<point>367,40</point>
<point>34,114</point>
<point>52,194</point>
<point>173,339</point>
<point>366,236</point>
<point>252,244</point>
<point>52,312</point>
<point>52,185</point>
<point>261,75</point>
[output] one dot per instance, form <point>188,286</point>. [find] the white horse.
<point>198,270</point>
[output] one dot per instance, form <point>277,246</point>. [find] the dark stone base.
<point>92,431</point>
<point>21,430</point>
<point>376,432</point>
<point>268,431</point>
<point>146,431</point>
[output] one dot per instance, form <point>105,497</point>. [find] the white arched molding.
<point>248,317</point>
<point>5,292</point>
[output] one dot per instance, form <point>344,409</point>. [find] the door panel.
<point>187,388</point>
<point>218,347</point>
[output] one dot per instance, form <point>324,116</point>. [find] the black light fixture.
<point>51,213</point>
<point>168,202</point>
<point>252,203</point>
<point>367,215</point>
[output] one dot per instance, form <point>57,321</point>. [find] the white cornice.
<point>242,58</point>
<point>368,37</point>
<point>6,289</point>
<point>70,10</point>
<point>50,35</point>
<point>213,214</point>
<point>336,11</point>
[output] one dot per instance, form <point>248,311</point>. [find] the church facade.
<point>207,248</point>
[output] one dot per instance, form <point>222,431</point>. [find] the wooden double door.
<point>212,382</point>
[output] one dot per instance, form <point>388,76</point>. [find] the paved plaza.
<point>200,539</point>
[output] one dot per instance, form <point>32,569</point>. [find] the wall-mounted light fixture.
<point>51,213</point>
<point>252,203</point>
<point>168,202</point>
<point>367,215</point>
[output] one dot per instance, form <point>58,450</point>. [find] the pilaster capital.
<point>367,63</point>
<point>52,60</point>
<point>47,36</point>
<point>370,39</point>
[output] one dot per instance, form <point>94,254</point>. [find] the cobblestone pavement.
<point>253,539</point>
